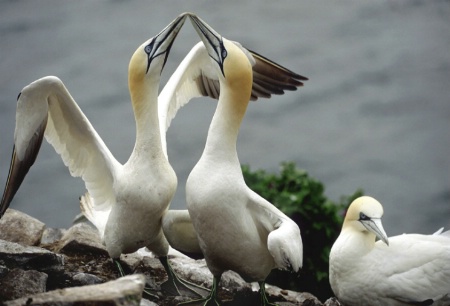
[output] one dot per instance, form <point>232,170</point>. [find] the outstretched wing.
<point>196,77</point>
<point>45,108</point>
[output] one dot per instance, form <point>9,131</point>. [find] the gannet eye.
<point>362,216</point>
<point>224,53</point>
<point>148,49</point>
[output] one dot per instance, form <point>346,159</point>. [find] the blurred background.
<point>375,114</point>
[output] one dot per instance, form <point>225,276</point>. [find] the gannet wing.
<point>284,241</point>
<point>180,233</point>
<point>418,270</point>
<point>196,77</point>
<point>46,108</point>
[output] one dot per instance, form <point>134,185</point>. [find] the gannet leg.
<point>211,300</point>
<point>122,274</point>
<point>175,285</point>
<point>262,291</point>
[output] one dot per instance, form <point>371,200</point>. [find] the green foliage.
<point>320,220</point>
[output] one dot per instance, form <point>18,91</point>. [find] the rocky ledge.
<point>40,265</point>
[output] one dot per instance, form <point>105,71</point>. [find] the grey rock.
<point>145,302</point>
<point>84,279</point>
<point>14,255</point>
<point>297,298</point>
<point>18,283</point>
<point>18,227</point>
<point>82,238</point>
<point>123,291</point>
<point>197,271</point>
<point>52,235</point>
<point>332,302</point>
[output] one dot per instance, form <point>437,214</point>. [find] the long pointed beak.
<point>212,40</point>
<point>164,40</point>
<point>375,226</point>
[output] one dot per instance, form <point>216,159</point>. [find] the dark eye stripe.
<point>362,216</point>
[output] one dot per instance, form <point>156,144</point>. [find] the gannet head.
<point>364,214</point>
<point>231,59</point>
<point>149,58</point>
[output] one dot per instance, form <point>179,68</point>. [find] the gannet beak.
<point>161,43</point>
<point>375,226</point>
<point>211,39</point>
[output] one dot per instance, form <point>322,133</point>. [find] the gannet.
<point>195,77</point>
<point>128,200</point>
<point>408,269</point>
<point>237,229</point>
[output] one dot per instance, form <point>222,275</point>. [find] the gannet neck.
<point>233,101</point>
<point>144,99</point>
<point>355,241</point>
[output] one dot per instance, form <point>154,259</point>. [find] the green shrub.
<point>320,220</point>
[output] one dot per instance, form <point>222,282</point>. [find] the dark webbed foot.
<point>149,292</point>
<point>177,286</point>
<point>210,300</point>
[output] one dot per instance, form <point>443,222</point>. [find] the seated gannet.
<point>409,269</point>
<point>237,229</point>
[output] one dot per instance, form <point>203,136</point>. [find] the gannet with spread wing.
<point>237,229</point>
<point>129,199</point>
<point>409,269</point>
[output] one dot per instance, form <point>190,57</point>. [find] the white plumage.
<point>237,229</point>
<point>412,269</point>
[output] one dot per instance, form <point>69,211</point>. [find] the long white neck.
<point>144,97</point>
<point>224,128</point>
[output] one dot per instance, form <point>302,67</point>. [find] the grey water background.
<point>375,114</point>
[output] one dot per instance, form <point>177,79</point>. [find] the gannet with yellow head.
<point>409,269</point>
<point>125,202</point>
<point>237,229</point>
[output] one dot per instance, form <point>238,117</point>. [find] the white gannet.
<point>127,201</point>
<point>237,229</point>
<point>408,269</point>
<point>195,77</point>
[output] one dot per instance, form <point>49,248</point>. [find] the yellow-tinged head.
<point>232,62</point>
<point>364,215</point>
<point>148,60</point>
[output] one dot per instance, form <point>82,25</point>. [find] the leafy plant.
<point>302,198</point>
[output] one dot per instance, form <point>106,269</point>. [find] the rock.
<point>52,235</point>
<point>84,279</point>
<point>75,262</point>
<point>123,291</point>
<point>82,238</point>
<point>14,255</point>
<point>18,283</point>
<point>197,271</point>
<point>332,302</point>
<point>21,228</point>
<point>145,302</point>
<point>297,298</point>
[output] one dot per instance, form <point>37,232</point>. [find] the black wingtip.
<point>8,193</point>
<point>292,74</point>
